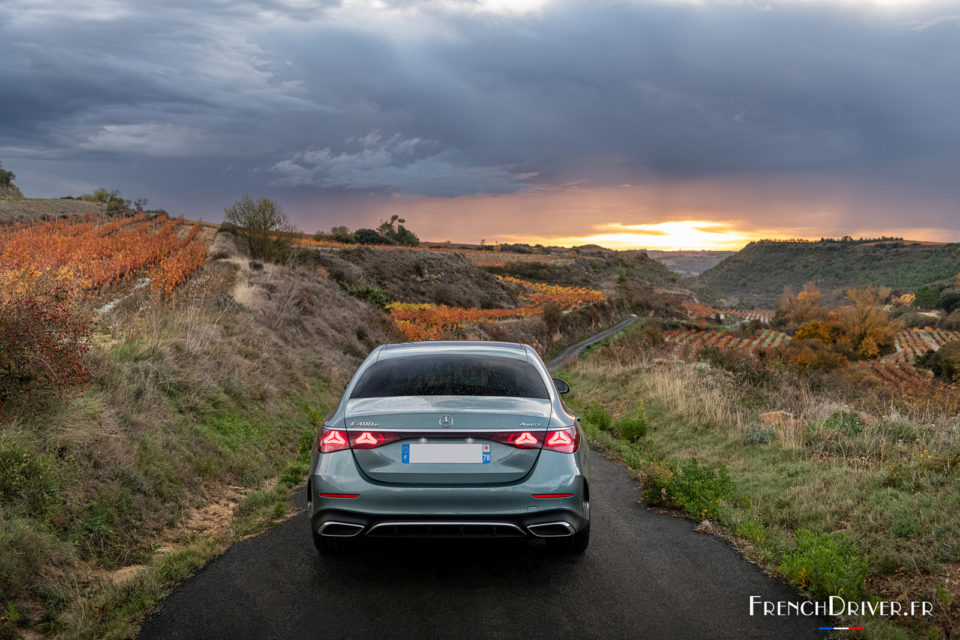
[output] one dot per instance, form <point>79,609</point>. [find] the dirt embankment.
<point>10,191</point>
<point>416,276</point>
<point>33,209</point>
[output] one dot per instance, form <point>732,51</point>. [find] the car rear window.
<point>450,375</point>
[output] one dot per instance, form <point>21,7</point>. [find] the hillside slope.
<point>415,275</point>
<point>600,268</point>
<point>758,273</point>
<point>13,209</point>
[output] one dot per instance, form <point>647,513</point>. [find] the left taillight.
<point>330,440</point>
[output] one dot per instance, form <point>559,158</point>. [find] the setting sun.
<point>669,236</point>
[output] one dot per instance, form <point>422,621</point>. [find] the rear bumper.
<point>349,524</point>
<point>467,511</point>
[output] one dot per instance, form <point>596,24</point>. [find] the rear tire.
<point>571,545</point>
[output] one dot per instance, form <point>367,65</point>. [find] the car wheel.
<point>571,545</point>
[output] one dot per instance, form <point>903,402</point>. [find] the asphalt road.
<point>574,350</point>
<point>645,575</point>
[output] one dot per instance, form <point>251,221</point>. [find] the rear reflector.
<point>331,440</point>
<point>563,440</point>
<point>339,495</point>
<point>552,495</point>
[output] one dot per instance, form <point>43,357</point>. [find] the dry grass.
<point>188,394</point>
<point>823,454</point>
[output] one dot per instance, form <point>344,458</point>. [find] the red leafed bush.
<point>43,346</point>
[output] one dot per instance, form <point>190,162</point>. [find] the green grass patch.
<point>825,565</point>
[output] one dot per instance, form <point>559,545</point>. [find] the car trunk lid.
<point>445,439</point>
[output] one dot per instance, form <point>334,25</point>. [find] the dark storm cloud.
<point>448,99</point>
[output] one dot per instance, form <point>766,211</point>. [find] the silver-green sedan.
<point>451,440</point>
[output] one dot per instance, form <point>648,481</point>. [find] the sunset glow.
<point>669,236</point>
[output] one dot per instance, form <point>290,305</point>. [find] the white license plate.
<point>445,453</point>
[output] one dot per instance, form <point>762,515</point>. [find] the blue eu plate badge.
<point>420,453</point>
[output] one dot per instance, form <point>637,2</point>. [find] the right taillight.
<point>372,439</point>
<point>562,440</point>
<point>331,440</point>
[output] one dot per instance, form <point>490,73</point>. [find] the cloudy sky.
<point>632,123</point>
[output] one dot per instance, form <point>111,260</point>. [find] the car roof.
<point>464,347</point>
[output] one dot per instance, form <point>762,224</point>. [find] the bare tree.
<point>264,225</point>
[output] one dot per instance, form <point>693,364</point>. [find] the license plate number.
<point>445,454</point>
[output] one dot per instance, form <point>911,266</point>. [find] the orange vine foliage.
<point>80,255</point>
<point>422,321</point>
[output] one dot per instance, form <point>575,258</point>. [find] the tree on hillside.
<point>6,177</point>
<point>796,310</point>
<point>264,226</point>
<point>394,231</point>
<point>369,236</point>
<point>864,326</point>
<point>116,204</point>
<point>342,234</point>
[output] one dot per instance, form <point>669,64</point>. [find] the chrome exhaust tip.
<point>335,529</point>
<point>559,529</point>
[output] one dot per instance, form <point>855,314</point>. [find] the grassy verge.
<point>196,401</point>
<point>840,493</point>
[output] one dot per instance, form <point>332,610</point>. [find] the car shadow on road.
<point>429,563</point>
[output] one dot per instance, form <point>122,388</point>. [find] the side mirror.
<point>562,387</point>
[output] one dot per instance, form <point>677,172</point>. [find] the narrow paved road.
<point>645,575</point>
<point>574,350</point>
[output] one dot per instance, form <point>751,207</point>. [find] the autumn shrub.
<point>860,329</point>
<point>807,355</point>
<point>652,334</point>
<point>43,347</point>
<point>552,316</point>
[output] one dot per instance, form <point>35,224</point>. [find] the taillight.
<point>372,439</point>
<point>563,440</point>
<point>331,440</point>
<point>519,439</point>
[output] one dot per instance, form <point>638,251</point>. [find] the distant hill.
<point>593,267</point>
<point>757,274</point>
<point>689,263</point>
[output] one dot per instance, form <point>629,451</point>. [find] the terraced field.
<point>690,341</point>
<point>914,342</point>
<point>755,315</point>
